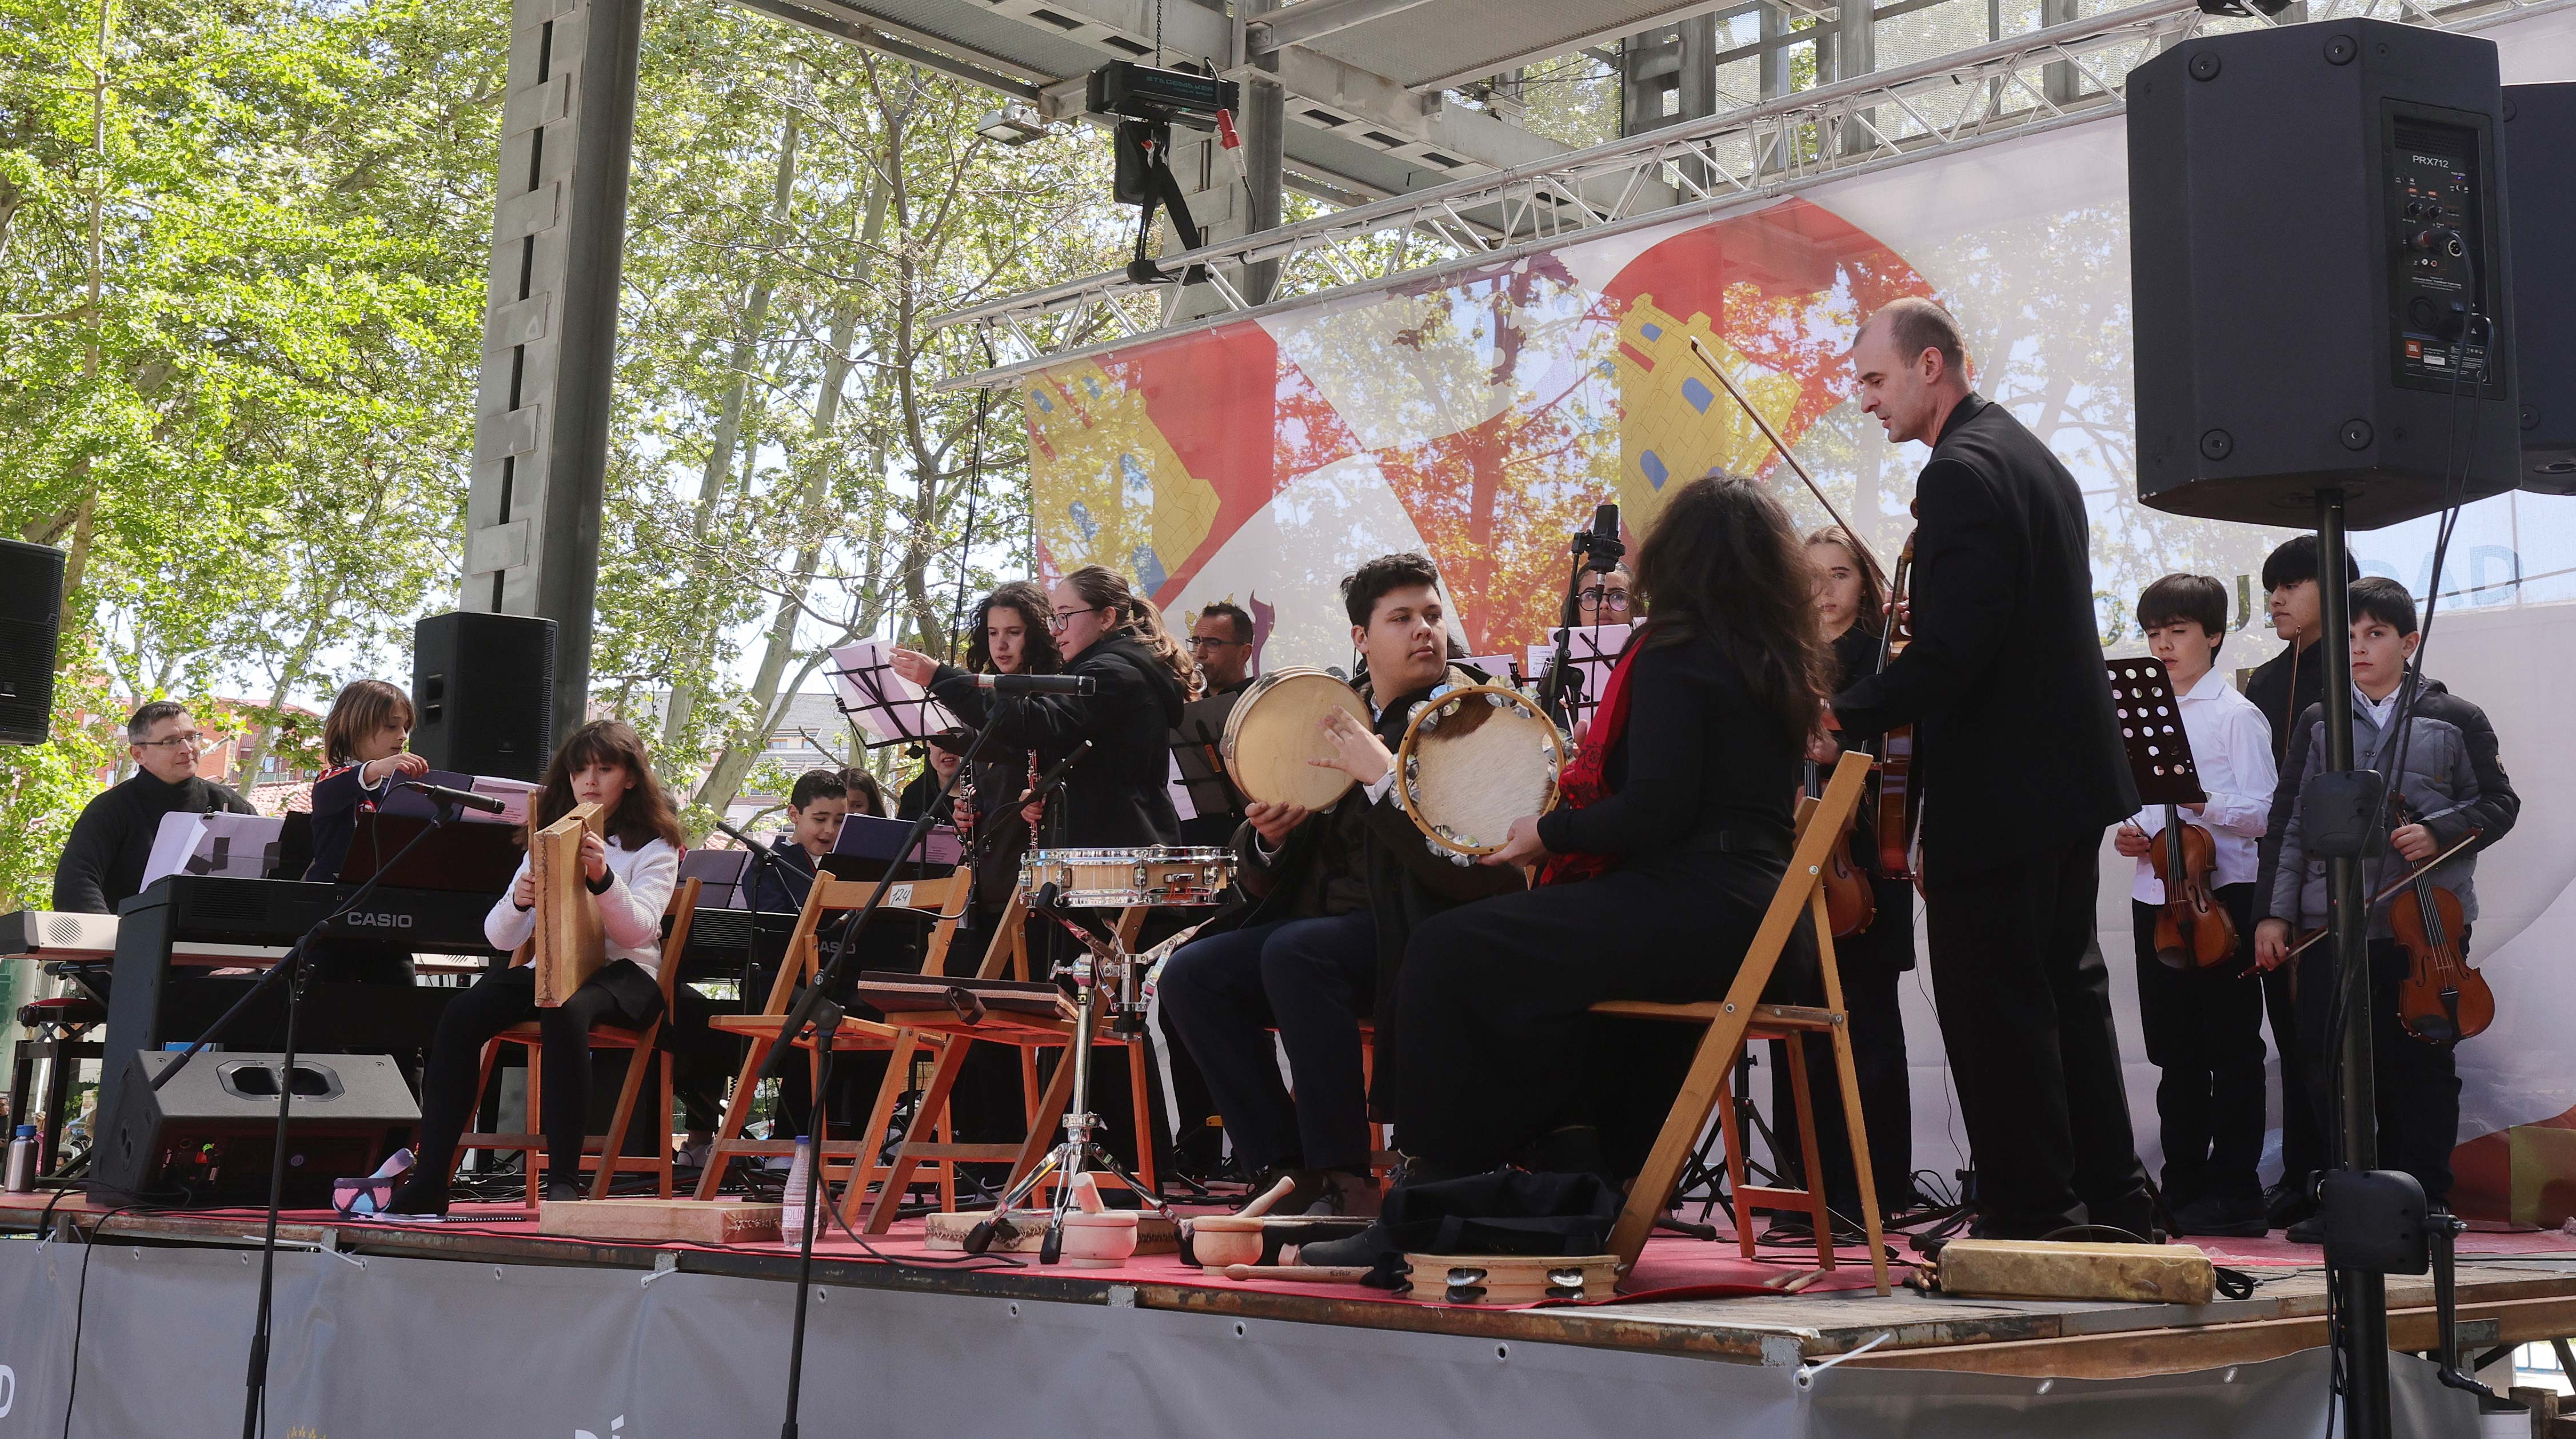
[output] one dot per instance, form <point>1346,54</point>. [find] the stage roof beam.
<point>1744,157</point>
<point>1315,19</point>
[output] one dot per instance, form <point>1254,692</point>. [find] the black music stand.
<point>1579,659</point>
<point>1196,745</point>
<point>2150,717</point>
<point>884,707</point>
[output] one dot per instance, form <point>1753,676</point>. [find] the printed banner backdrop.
<point>1481,414</point>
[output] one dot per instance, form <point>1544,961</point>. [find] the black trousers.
<point>1492,1039</point>
<point>2025,1005</point>
<point>2417,1084</point>
<point>2303,1146</point>
<point>620,994</point>
<point>1312,980</point>
<point>1873,965</point>
<point>2204,1031</point>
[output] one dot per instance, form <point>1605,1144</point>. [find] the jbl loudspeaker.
<point>483,693</point>
<point>2319,260</point>
<point>209,1136</point>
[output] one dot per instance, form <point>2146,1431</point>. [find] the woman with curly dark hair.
<point>1010,633</point>
<point>1675,833</point>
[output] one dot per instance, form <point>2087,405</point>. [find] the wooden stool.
<point>1729,1023</point>
<point>945,900</point>
<point>639,1044</point>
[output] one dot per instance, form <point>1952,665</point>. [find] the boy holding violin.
<point>2449,786</point>
<point>2203,1016</point>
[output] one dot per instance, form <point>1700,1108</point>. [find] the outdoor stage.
<point>481,1326</point>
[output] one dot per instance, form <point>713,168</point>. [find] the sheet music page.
<point>233,846</point>
<point>518,794</point>
<point>885,706</point>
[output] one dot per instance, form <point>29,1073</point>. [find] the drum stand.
<point>1079,1153</point>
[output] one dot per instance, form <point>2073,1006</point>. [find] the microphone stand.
<point>822,1017</point>
<point>290,968</point>
<point>1587,559</point>
<point>764,860</point>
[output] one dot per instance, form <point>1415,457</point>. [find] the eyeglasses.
<point>1061,618</point>
<point>191,741</point>
<point>1211,642</point>
<point>1599,600</point>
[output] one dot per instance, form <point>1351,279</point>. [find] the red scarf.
<point>1583,783</point>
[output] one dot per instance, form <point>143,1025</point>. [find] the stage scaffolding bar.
<point>1747,156</point>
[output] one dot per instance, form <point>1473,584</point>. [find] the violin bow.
<point>1777,443</point>
<point>2412,875</point>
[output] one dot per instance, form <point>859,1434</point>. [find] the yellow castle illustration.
<point>1108,488</point>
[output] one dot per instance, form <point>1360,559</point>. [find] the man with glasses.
<point>1221,642</point>
<point>102,864</point>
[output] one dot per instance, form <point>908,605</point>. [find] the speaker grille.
<point>31,613</point>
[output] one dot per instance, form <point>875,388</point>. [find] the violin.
<point>1899,811</point>
<point>1850,903</point>
<point>2442,1000</point>
<point>2193,930</point>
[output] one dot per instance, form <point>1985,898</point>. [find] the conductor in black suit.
<point>2022,769</point>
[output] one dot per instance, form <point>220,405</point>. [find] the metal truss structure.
<point>2060,74</point>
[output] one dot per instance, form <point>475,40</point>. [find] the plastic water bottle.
<point>791,1221</point>
<point>21,1176</point>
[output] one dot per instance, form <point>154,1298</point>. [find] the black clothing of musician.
<point>1116,795</point>
<point>2022,769</point>
<point>1314,944</point>
<point>1491,1031</point>
<point>102,863</point>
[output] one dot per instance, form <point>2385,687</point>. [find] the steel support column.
<point>550,324</point>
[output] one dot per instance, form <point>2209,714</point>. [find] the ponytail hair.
<point>1137,618</point>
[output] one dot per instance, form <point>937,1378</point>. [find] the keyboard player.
<point>102,864</point>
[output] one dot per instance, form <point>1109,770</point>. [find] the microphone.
<point>755,846</point>
<point>461,798</point>
<point>1602,543</point>
<point>1038,684</point>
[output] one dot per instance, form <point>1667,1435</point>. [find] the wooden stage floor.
<point>2513,1289</point>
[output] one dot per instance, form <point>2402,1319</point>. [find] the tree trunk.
<point>727,438</point>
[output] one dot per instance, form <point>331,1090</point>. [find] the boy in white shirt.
<point>2204,1026</point>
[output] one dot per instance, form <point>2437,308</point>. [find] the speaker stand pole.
<point>2361,1298</point>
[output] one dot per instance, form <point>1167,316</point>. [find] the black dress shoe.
<point>2311,1230</point>
<point>2288,1202</point>
<point>2222,1217</point>
<point>562,1191</point>
<point>420,1194</point>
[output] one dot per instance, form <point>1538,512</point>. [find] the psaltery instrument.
<point>567,948</point>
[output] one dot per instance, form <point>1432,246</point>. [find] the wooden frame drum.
<point>1474,759</point>
<point>1273,731</point>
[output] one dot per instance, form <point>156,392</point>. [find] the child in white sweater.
<point>631,874</point>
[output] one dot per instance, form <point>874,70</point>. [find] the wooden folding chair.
<point>1028,1034</point>
<point>945,900</point>
<point>639,1044</point>
<point>1729,1023</point>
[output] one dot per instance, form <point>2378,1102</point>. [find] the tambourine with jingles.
<point>1474,759</point>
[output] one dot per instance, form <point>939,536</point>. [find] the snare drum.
<point>1119,878</point>
<point>1274,729</point>
<point>1474,759</point>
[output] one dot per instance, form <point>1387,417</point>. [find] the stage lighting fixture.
<point>1016,123</point>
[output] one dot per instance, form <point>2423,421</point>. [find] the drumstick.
<point>1300,1273</point>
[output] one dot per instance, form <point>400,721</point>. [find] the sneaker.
<point>1347,1193</point>
<point>2311,1230</point>
<point>2287,1202</point>
<point>563,1191</point>
<point>1358,1250</point>
<point>694,1151</point>
<point>2219,1216</point>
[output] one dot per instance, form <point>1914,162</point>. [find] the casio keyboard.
<point>159,994</point>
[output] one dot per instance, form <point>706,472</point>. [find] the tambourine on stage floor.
<point>481,1315</point>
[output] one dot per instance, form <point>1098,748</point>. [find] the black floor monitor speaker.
<point>209,1136</point>
<point>483,686</point>
<point>2316,224</point>
<point>31,628</point>
<point>2539,142</point>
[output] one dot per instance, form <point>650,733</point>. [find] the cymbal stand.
<point>1102,955</point>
